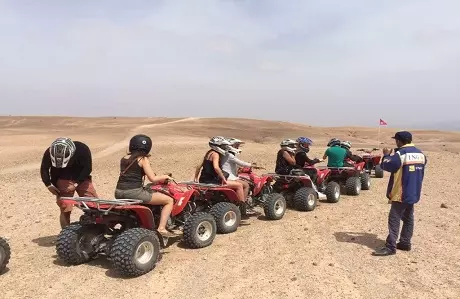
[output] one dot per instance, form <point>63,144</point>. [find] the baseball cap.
<point>403,136</point>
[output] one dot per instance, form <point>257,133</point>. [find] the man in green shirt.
<point>335,154</point>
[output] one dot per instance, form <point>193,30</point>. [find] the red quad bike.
<point>325,185</point>
<point>372,162</point>
<point>5,254</point>
<point>124,230</point>
<point>298,190</point>
<point>354,178</point>
<point>261,194</point>
<point>222,203</point>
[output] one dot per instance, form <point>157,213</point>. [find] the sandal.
<point>168,234</point>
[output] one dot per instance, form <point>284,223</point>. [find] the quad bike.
<point>125,229</point>
<point>261,194</point>
<point>325,185</point>
<point>363,174</point>
<point>372,162</point>
<point>5,254</point>
<point>353,178</point>
<point>298,189</point>
<point>222,203</point>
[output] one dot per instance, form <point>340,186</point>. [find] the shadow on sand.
<point>364,239</point>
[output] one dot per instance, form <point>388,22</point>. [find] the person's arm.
<point>311,161</point>
<point>325,154</point>
<point>215,163</point>
<point>353,157</point>
<point>45,168</point>
<point>149,172</point>
<point>391,163</point>
<point>86,161</point>
<point>197,172</point>
<point>288,158</point>
<point>233,159</point>
<point>45,173</point>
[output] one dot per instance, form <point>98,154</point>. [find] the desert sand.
<point>325,253</point>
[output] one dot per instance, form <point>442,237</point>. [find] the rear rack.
<point>111,202</point>
<point>325,167</point>
<point>192,183</point>
<point>286,175</point>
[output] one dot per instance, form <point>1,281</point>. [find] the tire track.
<point>105,152</point>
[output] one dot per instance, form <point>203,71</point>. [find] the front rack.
<point>111,202</point>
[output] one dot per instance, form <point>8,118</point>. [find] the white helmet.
<point>289,145</point>
<point>61,150</point>
<point>219,144</point>
<point>231,148</point>
<point>345,144</point>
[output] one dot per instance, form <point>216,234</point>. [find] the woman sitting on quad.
<point>285,160</point>
<point>211,167</point>
<point>349,155</point>
<point>232,164</point>
<point>133,167</point>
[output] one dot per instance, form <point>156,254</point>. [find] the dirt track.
<point>321,254</point>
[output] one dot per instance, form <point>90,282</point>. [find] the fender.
<point>143,213</point>
<point>181,200</point>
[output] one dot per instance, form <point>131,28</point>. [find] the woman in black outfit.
<point>133,168</point>
<point>211,167</point>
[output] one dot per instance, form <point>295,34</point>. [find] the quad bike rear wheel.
<point>227,215</point>
<point>378,171</point>
<point>200,230</point>
<point>365,181</point>
<point>135,252</point>
<point>76,244</point>
<point>275,206</point>
<point>5,254</point>
<point>353,185</point>
<point>332,192</point>
<point>305,199</point>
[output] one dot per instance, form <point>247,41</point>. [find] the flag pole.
<point>378,136</point>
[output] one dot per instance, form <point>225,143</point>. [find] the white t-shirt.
<point>231,164</point>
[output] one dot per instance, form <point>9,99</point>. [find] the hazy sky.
<point>323,62</point>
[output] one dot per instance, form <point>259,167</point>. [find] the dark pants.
<point>400,211</point>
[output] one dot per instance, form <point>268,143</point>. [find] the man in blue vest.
<point>407,168</point>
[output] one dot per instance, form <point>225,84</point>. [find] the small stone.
<point>331,265</point>
<point>292,263</point>
<point>293,278</point>
<point>444,206</point>
<point>353,238</point>
<point>413,262</point>
<point>315,264</point>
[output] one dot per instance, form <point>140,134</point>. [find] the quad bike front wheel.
<point>378,171</point>
<point>227,215</point>
<point>365,181</point>
<point>135,252</point>
<point>200,230</point>
<point>275,206</point>
<point>305,199</point>
<point>5,254</point>
<point>76,244</point>
<point>332,192</point>
<point>353,185</point>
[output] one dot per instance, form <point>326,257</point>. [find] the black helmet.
<point>141,143</point>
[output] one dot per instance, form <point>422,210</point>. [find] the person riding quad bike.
<point>232,163</point>
<point>335,154</point>
<point>349,155</point>
<point>134,167</point>
<point>211,167</point>
<point>302,159</point>
<point>285,158</point>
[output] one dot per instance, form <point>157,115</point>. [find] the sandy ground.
<point>321,254</point>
